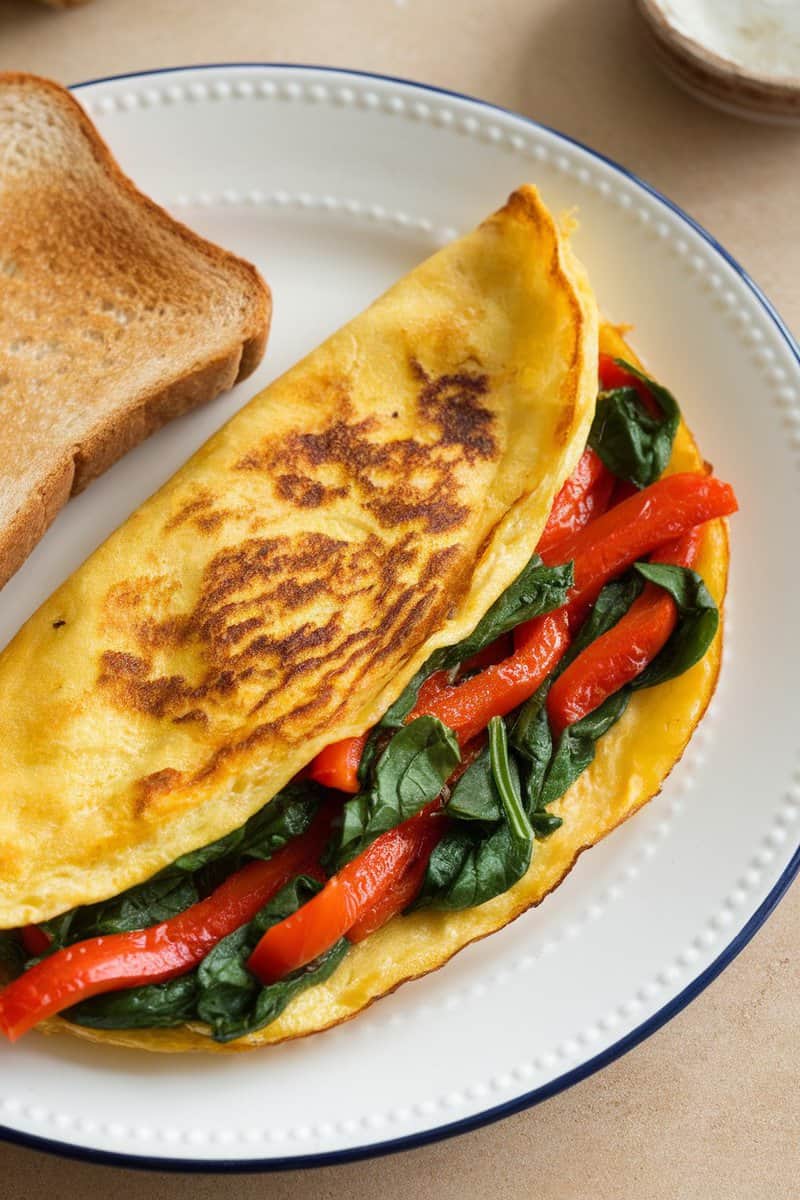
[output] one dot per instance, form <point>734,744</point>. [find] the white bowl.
<point>716,80</point>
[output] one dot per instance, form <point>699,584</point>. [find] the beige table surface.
<point>708,1107</point>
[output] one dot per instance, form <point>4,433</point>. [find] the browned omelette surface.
<point>631,763</point>
<point>280,590</point>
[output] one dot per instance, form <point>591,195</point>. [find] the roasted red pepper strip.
<point>468,707</point>
<point>585,495</point>
<point>612,375</point>
<point>122,960</point>
<point>329,915</point>
<point>487,657</point>
<point>35,940</point>
<point>660,513</point>
<point>406,887</point>
<point>618,656</point>
<point>337,765</point>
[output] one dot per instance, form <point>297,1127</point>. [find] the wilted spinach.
<point>698,621</point>
<point>632,442</point>
<point>489,843</point>
<point>409,773</point>
<point>220,991</point>
<point>230,999</point>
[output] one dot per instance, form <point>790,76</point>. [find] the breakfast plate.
<point>334,184</point>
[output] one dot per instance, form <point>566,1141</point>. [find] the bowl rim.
<point>714,66</point>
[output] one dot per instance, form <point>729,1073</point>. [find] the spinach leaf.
<point>230,999</point>
<point>632,442</point>
<point>698,621</point>
<point>12,956</point>
<point>508,787</point>
<point>410,772</point>
<point>537,590</point>
<point>475,797</point>
<point>576,747</point>
<point>285,817</point>
<point>468,867</point>
<point>57,929</point>
<point>479,859</point>
<point>150,903</point>
<point>533,742</point>
<point>151,1006</point>
<point>613,602</point>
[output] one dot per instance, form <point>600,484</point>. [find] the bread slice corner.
<point>114,317</point>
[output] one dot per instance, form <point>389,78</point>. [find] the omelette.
<point>429,616</point>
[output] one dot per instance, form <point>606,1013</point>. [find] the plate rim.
<point>647,1027</point>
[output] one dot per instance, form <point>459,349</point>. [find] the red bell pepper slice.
<point>35,940</point>
<point>405,889</point>
<point>618,656</point>
<point>665,510</point>
<point>487,657</point>
<point>468,707</point>
<point>585,495</point>
<point>344,900</point>
<point>123,960</point>
<point>337,765</point>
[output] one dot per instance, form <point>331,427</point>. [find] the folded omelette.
<point>365,512</point>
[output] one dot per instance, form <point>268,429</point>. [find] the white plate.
<point>334,184</point>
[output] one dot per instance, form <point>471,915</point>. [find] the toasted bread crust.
<point>112,433</point>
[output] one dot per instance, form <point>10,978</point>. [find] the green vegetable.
<point>220,991</point>
<point>508,787</point>
<point>411,771</point>
<point>698,621</point>
<point>468,867</point>
<point>150,903</point>
<point>286,817</point>
<point>576,747</point>
<point>613,602</point>
<point>634,444</point>
<point>154,1005</point>
<point>230,998</point>
<point>12,956</point>
<point>533,742</point>
<point>477,858</point>
<point>475,797</point>
<point>537,590</point>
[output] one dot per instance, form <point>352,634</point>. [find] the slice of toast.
<point>114,318</point>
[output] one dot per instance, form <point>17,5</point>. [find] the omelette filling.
<point>441,804</point>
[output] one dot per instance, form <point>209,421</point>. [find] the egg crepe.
<point>247,642</point>
<point>281,589</point>
<point>631,763</point>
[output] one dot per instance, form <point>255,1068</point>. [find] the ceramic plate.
<point>335,184</point>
